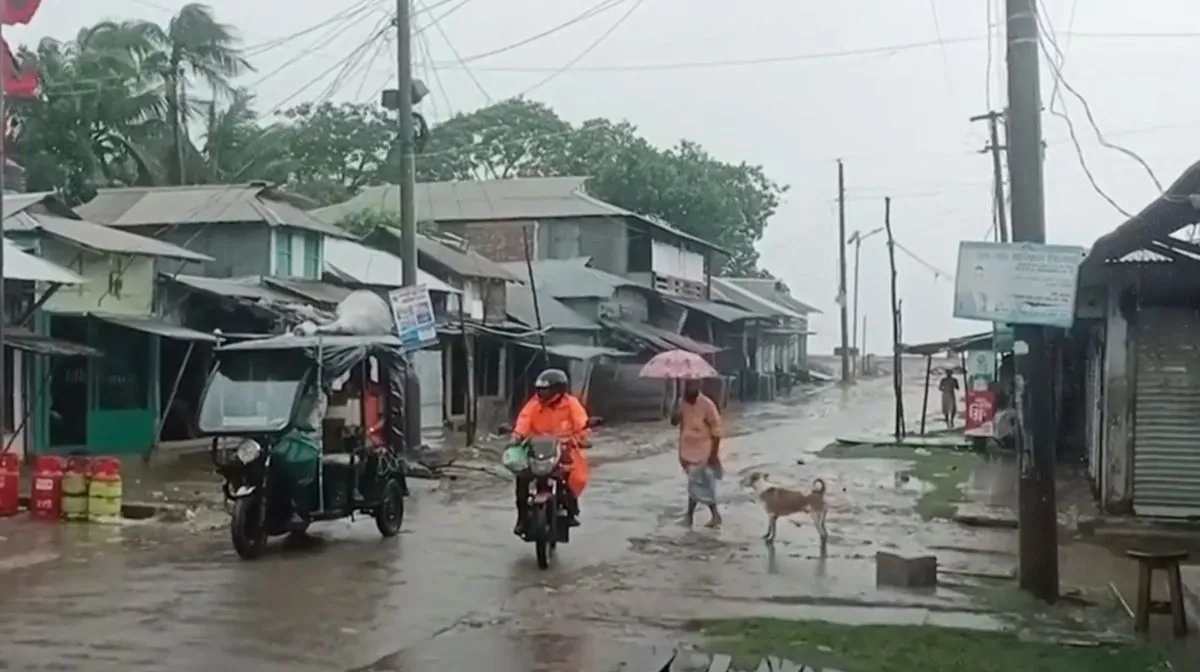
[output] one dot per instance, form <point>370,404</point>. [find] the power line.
<point>437,24</point>
<point>596,10</point>
<point>787,58</point>
<point>587,50</point>
<point>937,30</point>
<point>1087,108</point>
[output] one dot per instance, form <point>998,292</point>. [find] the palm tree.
<point>97,116</point>
<point>237,148</point>
<point>192,46</point>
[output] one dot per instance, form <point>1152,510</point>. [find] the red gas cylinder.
<point>10,484</point>
<point>45,501</point>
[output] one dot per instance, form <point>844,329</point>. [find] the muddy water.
<point>149,598</point>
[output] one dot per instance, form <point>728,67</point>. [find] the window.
<point>283,253</point>
<point>312,256</point>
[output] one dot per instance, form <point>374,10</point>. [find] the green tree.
<point>334,150</point>
<point>95,116</point>
<point>513,138</point>
<point>724,203</point>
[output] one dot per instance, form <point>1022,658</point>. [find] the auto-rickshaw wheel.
<point>246,528</point>
<point>389,515</point>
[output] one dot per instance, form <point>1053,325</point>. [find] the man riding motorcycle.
<point>553,411</point>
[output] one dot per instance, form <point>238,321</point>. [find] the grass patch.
<point>943,471</point>
<point>916,648</point>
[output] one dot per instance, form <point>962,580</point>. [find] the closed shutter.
<point>1166,453</point>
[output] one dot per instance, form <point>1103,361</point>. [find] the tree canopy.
<point>118,100</point>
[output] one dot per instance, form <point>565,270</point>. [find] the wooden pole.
<point>925,399</point>
<point>891,243</point>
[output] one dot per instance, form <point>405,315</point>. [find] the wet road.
<point>457,583</point>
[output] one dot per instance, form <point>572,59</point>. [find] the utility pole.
<point>408,204</point>
<point>857,237</point>
<point>896,389</point>
<point>995,148</point>
<point>842,271</point>
<point>1038,511</point>
<point>4,373</point>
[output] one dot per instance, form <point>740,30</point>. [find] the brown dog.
<point>780,502</point>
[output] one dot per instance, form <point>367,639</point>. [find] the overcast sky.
<point>898,117</point>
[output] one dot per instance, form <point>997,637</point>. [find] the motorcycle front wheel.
<point>247,529</point>
<point>543,544</point>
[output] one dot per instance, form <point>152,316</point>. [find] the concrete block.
<point>901,572</point>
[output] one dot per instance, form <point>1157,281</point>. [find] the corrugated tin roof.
<point>749,300</point>
<point>157,327</point>
<point>571,278</point>
<point>661,339</point>
<point>580,352</point>
<point>22,339</point>
<point>1141,257</point>
<point>20,265</point>
<point>200,204</point>
<point>496,200</point>
<point>100,238</point>
<point>767,288</point>
<point>250,288</point>
<point>365,265</point>
<point>313,291</point>
<point>719,311</point>
<point>555,314</point>
<point>464,262</point>
<point>14,203</point>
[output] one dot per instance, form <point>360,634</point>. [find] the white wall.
<point>116,285</point>
<point>472,298</point>
<point>666,259</point>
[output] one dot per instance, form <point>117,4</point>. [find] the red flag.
<point>19,11</point>
<point>18,83</point>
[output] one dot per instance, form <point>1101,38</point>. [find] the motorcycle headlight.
<point>542,467</point>
<point>248,451</point>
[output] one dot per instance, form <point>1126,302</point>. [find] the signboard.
<point>981,369</point>
<point>1017,283</point>
<point>981,412</point>
<point>412,309</point>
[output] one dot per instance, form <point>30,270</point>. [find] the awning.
<point>580,352</point>
<point>26,341</point>
<point>661,339</point>
<point>158,328</point>
<point>20,265</point>
<point>958,344</point>
<point>722,312</point>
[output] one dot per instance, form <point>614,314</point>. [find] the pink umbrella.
<point>678,364</point>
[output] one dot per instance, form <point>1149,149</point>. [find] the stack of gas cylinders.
<point>75,488</point>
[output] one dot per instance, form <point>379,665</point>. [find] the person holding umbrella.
<point>699,424</point>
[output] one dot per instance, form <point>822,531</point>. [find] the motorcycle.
<point>546,519</point>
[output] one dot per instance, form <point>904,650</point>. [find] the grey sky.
<point>899,119</point>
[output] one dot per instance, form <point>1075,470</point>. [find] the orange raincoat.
<point>566,419</point>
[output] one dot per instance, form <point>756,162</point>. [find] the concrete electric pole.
<point>1038,511</point>
<point>842,272</point>
<point>402,102</point>
<point>995,148</point>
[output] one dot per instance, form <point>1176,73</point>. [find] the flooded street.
<point>456,585</point>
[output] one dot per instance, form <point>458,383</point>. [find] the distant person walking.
<point>949,389</point>
<point>699,450</point>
